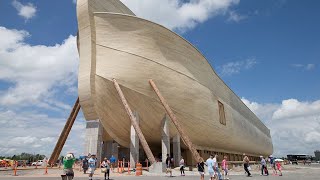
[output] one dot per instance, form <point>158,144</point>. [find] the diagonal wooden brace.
<point>173,118</point>
<point>143,141</point>
<point>65,133</point>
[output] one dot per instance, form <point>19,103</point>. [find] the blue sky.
<point>267,52</point>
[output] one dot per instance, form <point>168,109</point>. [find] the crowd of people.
<point>275,165</point>
<point>213,168</point>
<point>215,174</point>
<point>89,165</point>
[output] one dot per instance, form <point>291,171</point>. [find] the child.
<point>279,167</point>
<point>200,167</point>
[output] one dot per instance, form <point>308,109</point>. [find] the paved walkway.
<point>291,173</point>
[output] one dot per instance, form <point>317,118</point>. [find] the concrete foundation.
<point>134,144</point>
<point>110,148</point>
<point>156,168</point>
<point>165,140</point>
<point>176,150</point>
<point>93,138</point>
<point>106,149</point>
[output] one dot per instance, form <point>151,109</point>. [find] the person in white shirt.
<point>105,168</point>
<point>92,165</point>
<point>216,167</point>
<point>181,164</point>
<point>210,164</point>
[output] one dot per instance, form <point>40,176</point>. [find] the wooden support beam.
<point>65,133</point>
<point>135,124</point>
<point>173,118</point>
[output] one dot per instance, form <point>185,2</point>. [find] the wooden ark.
<point>114,43</point>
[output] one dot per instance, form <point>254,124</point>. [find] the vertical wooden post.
<point>135,124</point>
<point>173,118</point>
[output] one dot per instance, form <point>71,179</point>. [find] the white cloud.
<point>310,66</point>
<point>306,67</point>
<point>292,108</point>
<point>236,67</point>
<point>26,11</point>
<point>21,141</point>
<point>36,77</point>
<point>47,139</point>
<point>35,132</point>
<point>178,14</point>
<point>11,39</point>
<point>236,17</point>
<point>294,125</point>
<point>263,111</point>
<point>36,71</point>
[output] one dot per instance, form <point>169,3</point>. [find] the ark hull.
<point>133,50</point>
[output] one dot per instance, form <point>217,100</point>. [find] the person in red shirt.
<point>279,167</point>
<point>225,167</point>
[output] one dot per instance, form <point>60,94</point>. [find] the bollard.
<point>46,169</point>
<point>121,168</point>
<point>147,162</point>
<point>129,167</point>
<point>118,166</point>
<point>15,168</point>
<point>123,163</point>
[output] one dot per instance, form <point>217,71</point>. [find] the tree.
<point>25,156</point>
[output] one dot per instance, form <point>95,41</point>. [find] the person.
<point>210,164</point>
<point>85,165</point>
<point>263,166</point>
<point>92,165</point>
<point>279,167</point>
<point>113,162</point>
<point>105,168</point>
<point>68,162</point>
<point>225,167</point>
<point>168,165</point>
<point>216,167</point>
<point>273,165</point>
<point>181,164</point>
<point>246,164</point>
<point>200,166</point>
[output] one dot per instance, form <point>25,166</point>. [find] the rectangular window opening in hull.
<point>222,116</point>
